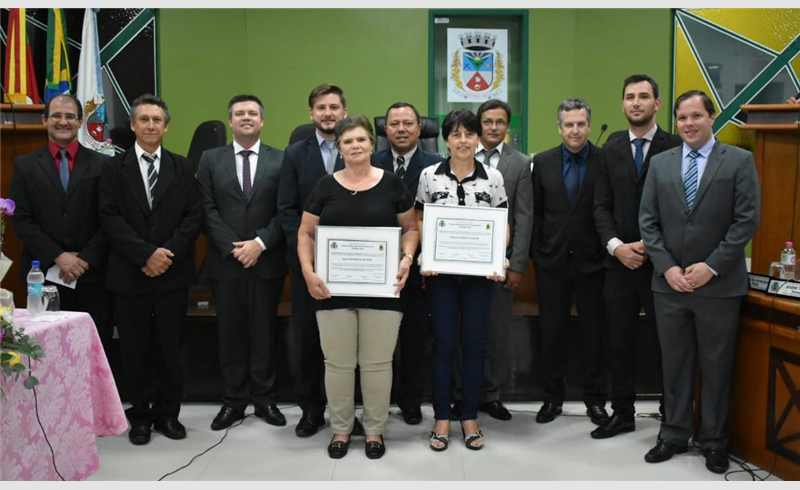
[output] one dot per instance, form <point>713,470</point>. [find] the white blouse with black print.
<point>482,187</point>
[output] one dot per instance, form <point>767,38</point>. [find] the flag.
<point>58,78</point>
<point>90,86</point>
<point>20,78</point>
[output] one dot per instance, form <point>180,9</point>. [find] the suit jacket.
<point>561,231</point>
<point>228,217</point>
<point>724,218</point>
<point>49,220</point>
<point>618,189</point>
<point>136,231</point>
<point>421,159</point>
<point>516,170</point>
<point>302,168</point>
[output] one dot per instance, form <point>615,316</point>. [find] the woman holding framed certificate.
<point>459,301</point>
<point>355,207</point>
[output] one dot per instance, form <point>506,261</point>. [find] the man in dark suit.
<point>57,219</point>
<point>492,151</point>
<point>617,194</point>
<point>406,159</point>
<point>700,207</point>
<point>245,260</point>
<point>304,163</point>
<point>568,258</point>
<point>151,212</point>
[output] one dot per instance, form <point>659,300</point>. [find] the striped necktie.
<point>401,166</point>
<point>690,180</point>
<point>152,174</point>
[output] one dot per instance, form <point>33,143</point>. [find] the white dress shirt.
<point>408,156</point>
<point>495,156</point>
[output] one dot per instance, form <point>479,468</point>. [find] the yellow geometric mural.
<point>737,56</point>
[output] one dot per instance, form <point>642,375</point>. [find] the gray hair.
<point>574,105</point>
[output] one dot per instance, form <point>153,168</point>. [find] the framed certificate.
<point>358,261</point>
<point>464,240</point>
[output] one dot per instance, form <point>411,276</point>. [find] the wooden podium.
<point>22,132</point>
<point>765,397</point>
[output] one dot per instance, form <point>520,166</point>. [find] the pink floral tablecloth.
<point>77,400</point>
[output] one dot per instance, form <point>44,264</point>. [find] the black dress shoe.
<point>412,416</point>
<point>663,451</point>
<point>457,412</point>
<point>616,425</point>
<point>597,414</point>
<point>358,429</point>
<point>270,414</point>
<point>338,449</point>
<point>309,424</point>
<point>548,412</point>
<point>170,428</point>
<point>716,459</point>
<point>139,434</point>
<point>496,410</point>
<point>375,449</point>
<point>226,417</point>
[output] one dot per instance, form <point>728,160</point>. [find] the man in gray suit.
<point>495,116</point>
<point>700,207</point>
<point>245,260</point>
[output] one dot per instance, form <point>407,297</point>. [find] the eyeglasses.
<point>500,123</point>
<point>58,116</point>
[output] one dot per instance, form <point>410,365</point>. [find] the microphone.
<point>603,129</point>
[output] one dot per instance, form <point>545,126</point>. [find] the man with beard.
<point>618,192</point>
<point>304,163</point>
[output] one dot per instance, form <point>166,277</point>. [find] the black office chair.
<point>208,135</point>
<point>428,137</point>
<point>301,132</point>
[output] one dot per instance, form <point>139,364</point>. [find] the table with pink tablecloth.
<point>77,401</point>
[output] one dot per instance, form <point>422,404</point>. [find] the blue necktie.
<point>690,180</point>
<point>639,157</point>
<point>572,181</point>
<point>64,169</point>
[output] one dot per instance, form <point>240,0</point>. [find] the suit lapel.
<point>675,171</point>
<point>414,168</point>
<point>715,159</point>
<point>79,168</point>
<point>229,161</point>
<point>261,170</point>
<point>315,155</point>
<point>133,178</point>
<point>558,175</point>
<point>502,164</point>
<point>588,176</point>
<point>166,175</point>
<point>49,168</point>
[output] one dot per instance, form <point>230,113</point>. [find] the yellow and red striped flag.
<point>20,78</point>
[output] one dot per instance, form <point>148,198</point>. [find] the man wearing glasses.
<point>57,215</point>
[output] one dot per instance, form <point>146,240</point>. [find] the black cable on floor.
<point>237,424</point>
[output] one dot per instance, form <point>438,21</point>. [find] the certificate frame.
<point>433,217</point>
<point>330,238</point>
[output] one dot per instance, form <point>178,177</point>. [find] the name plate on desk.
<point>358,261</point>
<point>759,282</point>
<point>464,240</point>
<point>786,289</point>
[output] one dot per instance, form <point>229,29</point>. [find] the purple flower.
<point>7,206</point>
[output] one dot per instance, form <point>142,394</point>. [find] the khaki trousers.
<point>366,338</point>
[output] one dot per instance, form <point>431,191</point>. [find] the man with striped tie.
<point>151,213</point>
<point>700,207</point>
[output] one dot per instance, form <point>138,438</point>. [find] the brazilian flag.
<point>58,78</point>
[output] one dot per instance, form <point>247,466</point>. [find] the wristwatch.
<point>409,255</point>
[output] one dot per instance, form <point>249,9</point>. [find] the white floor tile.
<point>519,449</point>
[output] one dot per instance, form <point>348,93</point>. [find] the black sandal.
<point>436,437</point>
<point>471,437</point>
<point>338,449</point>
<point>375,449</point>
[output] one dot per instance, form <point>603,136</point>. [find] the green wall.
<point>381,56</point>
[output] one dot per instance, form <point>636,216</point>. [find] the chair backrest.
<point>208,135</point>
<point>301,132</point>
<point>428,137</point>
